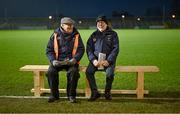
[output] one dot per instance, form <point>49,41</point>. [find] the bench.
<point>40,70</point>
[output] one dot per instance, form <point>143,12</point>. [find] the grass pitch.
<point>137,47</point>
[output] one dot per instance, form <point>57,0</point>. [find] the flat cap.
<point>67,20</point>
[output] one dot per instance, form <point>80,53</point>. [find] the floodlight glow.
<point>50,17</point>
<point>80,22</point>
<point>173,16</point>
<point>123,16</point>
<point>138,19</point>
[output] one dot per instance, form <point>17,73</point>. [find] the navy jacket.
<point>66,43</point>
<point>103,42</point>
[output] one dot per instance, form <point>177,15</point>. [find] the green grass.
<point>137,47</point>
<point>100,106</point>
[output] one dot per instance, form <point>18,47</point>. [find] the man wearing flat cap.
<point>102,50</point>
<point>64,51</point>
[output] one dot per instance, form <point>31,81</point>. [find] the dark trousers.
<point>72,79</point>
<point>90,71</point>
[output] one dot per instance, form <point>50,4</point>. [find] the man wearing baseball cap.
<point>64,51</point>
<point>102,50</point>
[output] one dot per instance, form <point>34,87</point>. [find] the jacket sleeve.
<point>90,49</point>
<point>80,49</point>
<point>114,53</point>
<point>50,49</point>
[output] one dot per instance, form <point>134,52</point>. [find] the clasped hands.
<point>70,62</point>
<point>104,63</point>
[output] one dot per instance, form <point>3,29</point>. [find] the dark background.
<point>122,14</point>
<point>87,8</point>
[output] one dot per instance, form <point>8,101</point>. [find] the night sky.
<point>79,8</point>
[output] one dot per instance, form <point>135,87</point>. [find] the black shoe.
<point>108,96</point>
<point>94,96</point>
<point>72,99</point>
<point>52,99</point>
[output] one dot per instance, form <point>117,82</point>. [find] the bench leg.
<point>37,84</point>
<point>87,89</point>
<point>42,74</point>
<point>140,85</point>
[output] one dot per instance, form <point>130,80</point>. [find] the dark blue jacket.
<point>103,42</point>
<point>66,43</point>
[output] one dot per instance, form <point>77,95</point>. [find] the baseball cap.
<point>102,18</point>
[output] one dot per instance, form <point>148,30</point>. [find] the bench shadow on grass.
<point>151,95</point>
<point>152,98</point>
<point>142,101</point>
<point>165,94</point>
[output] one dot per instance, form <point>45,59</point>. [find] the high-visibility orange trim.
<point>56,50</point>
<point>56,46</point>
<point>76,41</point>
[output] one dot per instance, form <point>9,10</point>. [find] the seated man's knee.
<point>74,71</point>
<point>51,71</point>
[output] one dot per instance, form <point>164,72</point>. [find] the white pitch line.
<point>130,98</point>
<point>33,97</point>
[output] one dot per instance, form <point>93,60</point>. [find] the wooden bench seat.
<point>39,71</point>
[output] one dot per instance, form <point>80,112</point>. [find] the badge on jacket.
<point>94,39</point>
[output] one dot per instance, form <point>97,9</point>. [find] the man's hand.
<point>55,63</point>
<point>72,62</point>
<point>105,63</point>
<point>96,63</point>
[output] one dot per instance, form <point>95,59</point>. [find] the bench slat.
<point>137,69</point>
<point>100,91</point>
<point>83,68</point>
<point>34,68</point>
